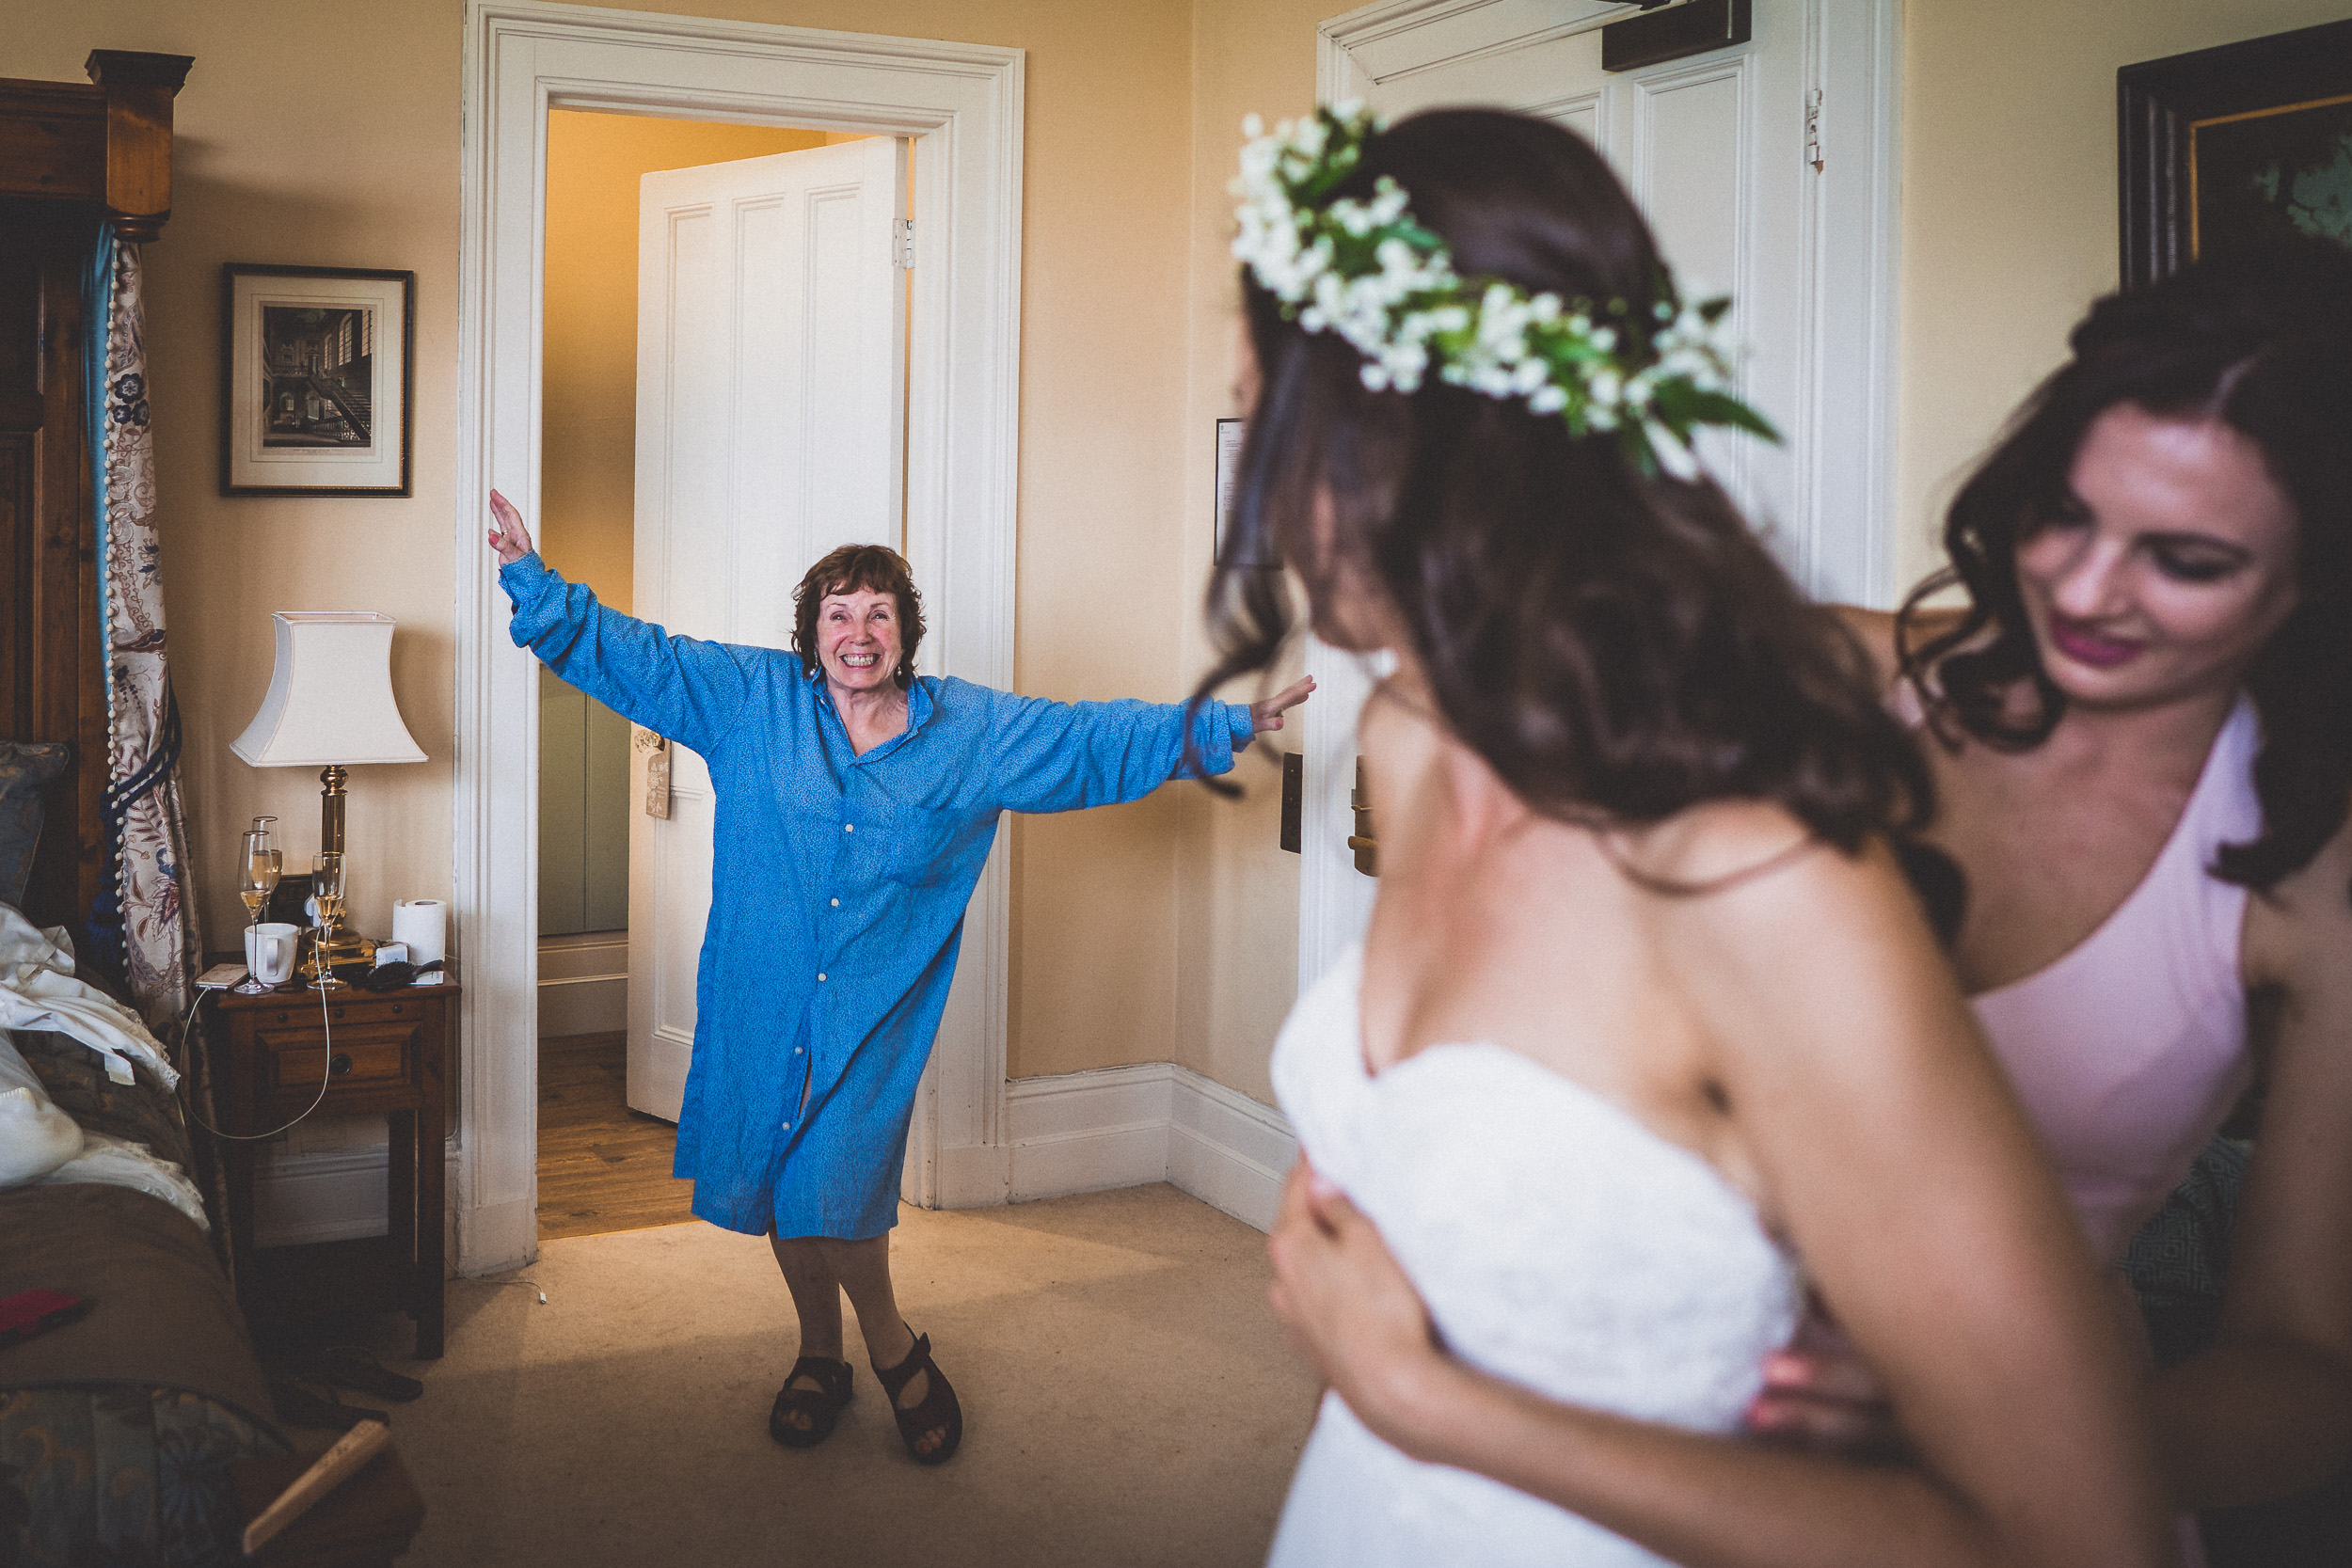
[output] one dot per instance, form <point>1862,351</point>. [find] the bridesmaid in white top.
<point>1647,1011</point>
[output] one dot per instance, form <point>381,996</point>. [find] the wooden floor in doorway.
<point>602,1166</point>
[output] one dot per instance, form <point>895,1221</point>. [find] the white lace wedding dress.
<point>1558,1242</point>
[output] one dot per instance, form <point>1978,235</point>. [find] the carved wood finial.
<point>139,89</point>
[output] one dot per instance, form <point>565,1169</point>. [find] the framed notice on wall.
<point>2228,146</point>
<point>1229,444</point>
<point>316,380</point>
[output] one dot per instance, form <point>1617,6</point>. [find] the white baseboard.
<point>329,1195</point>
<point>1122,1127</point>
<point>1078,1132</point>
<point>583,984</point>
<point>583,1005</point>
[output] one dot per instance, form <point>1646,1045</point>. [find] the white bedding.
<point>39,991</point>
<point>40,1143</point>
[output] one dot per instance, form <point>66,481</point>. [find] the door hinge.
<point>902,246</point>
<point>1813,130</point>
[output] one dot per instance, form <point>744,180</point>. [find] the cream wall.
<point>278,160</point>
<point>2009,202</point>
<point>1161,931</point>
<point>588,329</point>
<point>1239,899</point>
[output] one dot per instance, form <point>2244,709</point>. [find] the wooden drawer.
<point>288,1060</point>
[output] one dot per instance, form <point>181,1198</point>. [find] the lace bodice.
<point>1559,1243</point>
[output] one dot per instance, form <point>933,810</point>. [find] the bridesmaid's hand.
<point>1268,714</point>
<point>1350,1308</point>
<point>1817,1395</point>
<point>507,535</point>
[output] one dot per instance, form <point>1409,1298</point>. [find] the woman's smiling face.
<point>858,640</point>
<point>2172,566</point>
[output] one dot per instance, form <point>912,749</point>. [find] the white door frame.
<point>963,104</point>
<point>1843,444</point>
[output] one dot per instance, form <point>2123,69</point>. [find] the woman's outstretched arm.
<point>1909,1182</point>
<point>1063,756</point>
<point>681,687</point>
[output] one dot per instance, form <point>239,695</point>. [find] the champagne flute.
<point>259,867</point>
<point>327,895</point>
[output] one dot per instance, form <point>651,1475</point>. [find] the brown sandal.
<point>938,1411</point>
<point>822,1404</point>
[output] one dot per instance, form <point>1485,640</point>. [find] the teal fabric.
<point>838,885</point>
<point>123,1476</point>
<point>26,767</point>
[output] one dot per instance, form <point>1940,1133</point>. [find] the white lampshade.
<point>330,696</point>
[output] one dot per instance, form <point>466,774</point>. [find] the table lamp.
<point>330,707</point>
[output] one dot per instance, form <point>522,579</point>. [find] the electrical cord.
<point>326,1070</point>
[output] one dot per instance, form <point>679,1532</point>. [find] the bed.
<point>120,1432</point>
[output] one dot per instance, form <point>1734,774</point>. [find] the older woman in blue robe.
<point>856,805</point>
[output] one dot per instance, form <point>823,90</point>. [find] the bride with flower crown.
<point>1650,1032</point>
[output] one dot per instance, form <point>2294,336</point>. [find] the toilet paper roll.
<point>423,924</point>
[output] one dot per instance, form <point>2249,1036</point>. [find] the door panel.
<point>770,385</point>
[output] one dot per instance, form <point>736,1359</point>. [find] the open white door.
<point>771,400</point>
<point>1766,170</point>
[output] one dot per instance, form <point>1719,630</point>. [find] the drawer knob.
<point>338,1064</point>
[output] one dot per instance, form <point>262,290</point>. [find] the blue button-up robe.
<point>838,884</point>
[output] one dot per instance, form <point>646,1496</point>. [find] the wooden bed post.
<point>71,154</point>
<point>139,89</point>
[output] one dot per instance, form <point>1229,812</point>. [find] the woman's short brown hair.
<point>874,569</point>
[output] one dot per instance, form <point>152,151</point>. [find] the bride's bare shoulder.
<point>1710,846</point>
<point>1744,869</point>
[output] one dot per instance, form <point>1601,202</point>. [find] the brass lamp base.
<point>348,948</point>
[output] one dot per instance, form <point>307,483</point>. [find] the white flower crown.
<point>1368,270</point>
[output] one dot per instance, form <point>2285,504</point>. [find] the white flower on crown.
<point>1368,272</point>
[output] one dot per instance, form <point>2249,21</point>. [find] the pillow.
<point>36,1137</point>
<point>26,766</point>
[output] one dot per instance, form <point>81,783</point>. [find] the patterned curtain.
<point>144,928</point>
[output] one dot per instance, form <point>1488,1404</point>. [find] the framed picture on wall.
<point>2227,146</point>
<point>1229,434</point>
<point>316,380</point>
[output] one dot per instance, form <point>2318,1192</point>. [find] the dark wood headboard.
<point>72,155</point>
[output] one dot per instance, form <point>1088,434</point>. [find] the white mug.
<point>269,952</point>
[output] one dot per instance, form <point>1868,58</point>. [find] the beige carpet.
<point>1128,1399</point>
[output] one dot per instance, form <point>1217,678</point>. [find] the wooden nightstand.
<point>392,1051</point>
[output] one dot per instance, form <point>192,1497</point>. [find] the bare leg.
<point>816,1291</point>
<point>863,1270</point>
<point>816,1297</point>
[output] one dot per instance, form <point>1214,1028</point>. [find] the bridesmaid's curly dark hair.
<point>1617,645</point>
<point>2259,338</point>
<point>848,569</point>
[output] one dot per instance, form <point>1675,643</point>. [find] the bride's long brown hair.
<point>1615,645</point>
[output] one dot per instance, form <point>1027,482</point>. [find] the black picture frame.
<point>309,402</point>
<point>2188,124</point>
